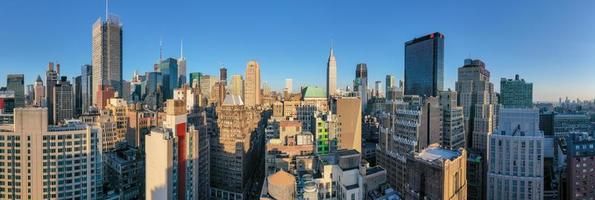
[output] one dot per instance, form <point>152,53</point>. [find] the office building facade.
<point>39,90</point>
<point>252,84</point>
<point>515,156</point>
<point>237,86</point>
<point>580,160</point>
<point>169,73</point>
<point>453,121</point>
<point>107,55</point>
<point>331,74</point>
<point>41,161</point>
<point>516,93</point>
<point>63,105</point>
<point>389,84</point>
<point>233,149</point>
<point>361,83</point>
<point>437,173</point>
<point>411,127</point>
<point>16,83</point>
<point>424,65</point>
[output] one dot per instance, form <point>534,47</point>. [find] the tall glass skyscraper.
<point>169,70</point>
<point>361,82</point>
<point>86,87</point>
<point>194,76</point>
<point>424,65</point>
<point>152,90</point>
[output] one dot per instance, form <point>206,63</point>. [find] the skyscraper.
<point>349,117</point>
<point>63,105</point>
<point>107,56</point>
<point>390,83</point>
<point>331,74</point>
<point>424,65</point>
<point>153,87</point>
<point>453,121</point>
<point>361,83</point>
<point>515,93</point>
<point>206,84</point>
<point>233,149</point>
<point>516,155</point>
<point>50,162</point>
<point>51,76</point>
<point>237,85</point>
<point>476,96</point>
<point>377,88</point>
<point>288,86</point>
<point>252,84</point>
<point>39,90</point>
<point>223,75</point>
<point>16,83</point>
<point>171,161</point>
<point>414,125</point>
<point>182,68</point>
<point>169,71</point>
<point>87,91</point>
<point>195,77</point>
<point>78,96</point>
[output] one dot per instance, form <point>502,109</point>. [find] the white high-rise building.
<point>171,165</point>
<point>38,161</point>
<point>515,156</point>
<point>331,75</point>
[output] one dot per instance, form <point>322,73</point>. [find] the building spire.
<point>106,9</point>
<point>160,49</point>
<point>181,49</point>
<point>332,53</point>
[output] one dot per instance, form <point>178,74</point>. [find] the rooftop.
<point>434,153</point>
<point>313,92</point>
<point>347,152</point>
<point>281,178</point>
<point>425,37</point>
<point>233,100</point>
<point>373,170</point>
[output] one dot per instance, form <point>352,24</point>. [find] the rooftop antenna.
<point>160,49</point>
<point>181,49</point>
<point>332,43</point>
<point>106,9</point>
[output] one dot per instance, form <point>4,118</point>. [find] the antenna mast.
<point>181,49</point>
<point>106,9</point>
<point>160,49</point>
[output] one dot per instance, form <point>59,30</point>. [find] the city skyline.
<point>509,40</point>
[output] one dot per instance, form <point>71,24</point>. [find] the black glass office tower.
<point>424,65</point>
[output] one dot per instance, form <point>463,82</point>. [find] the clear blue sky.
<point>550,43</point>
